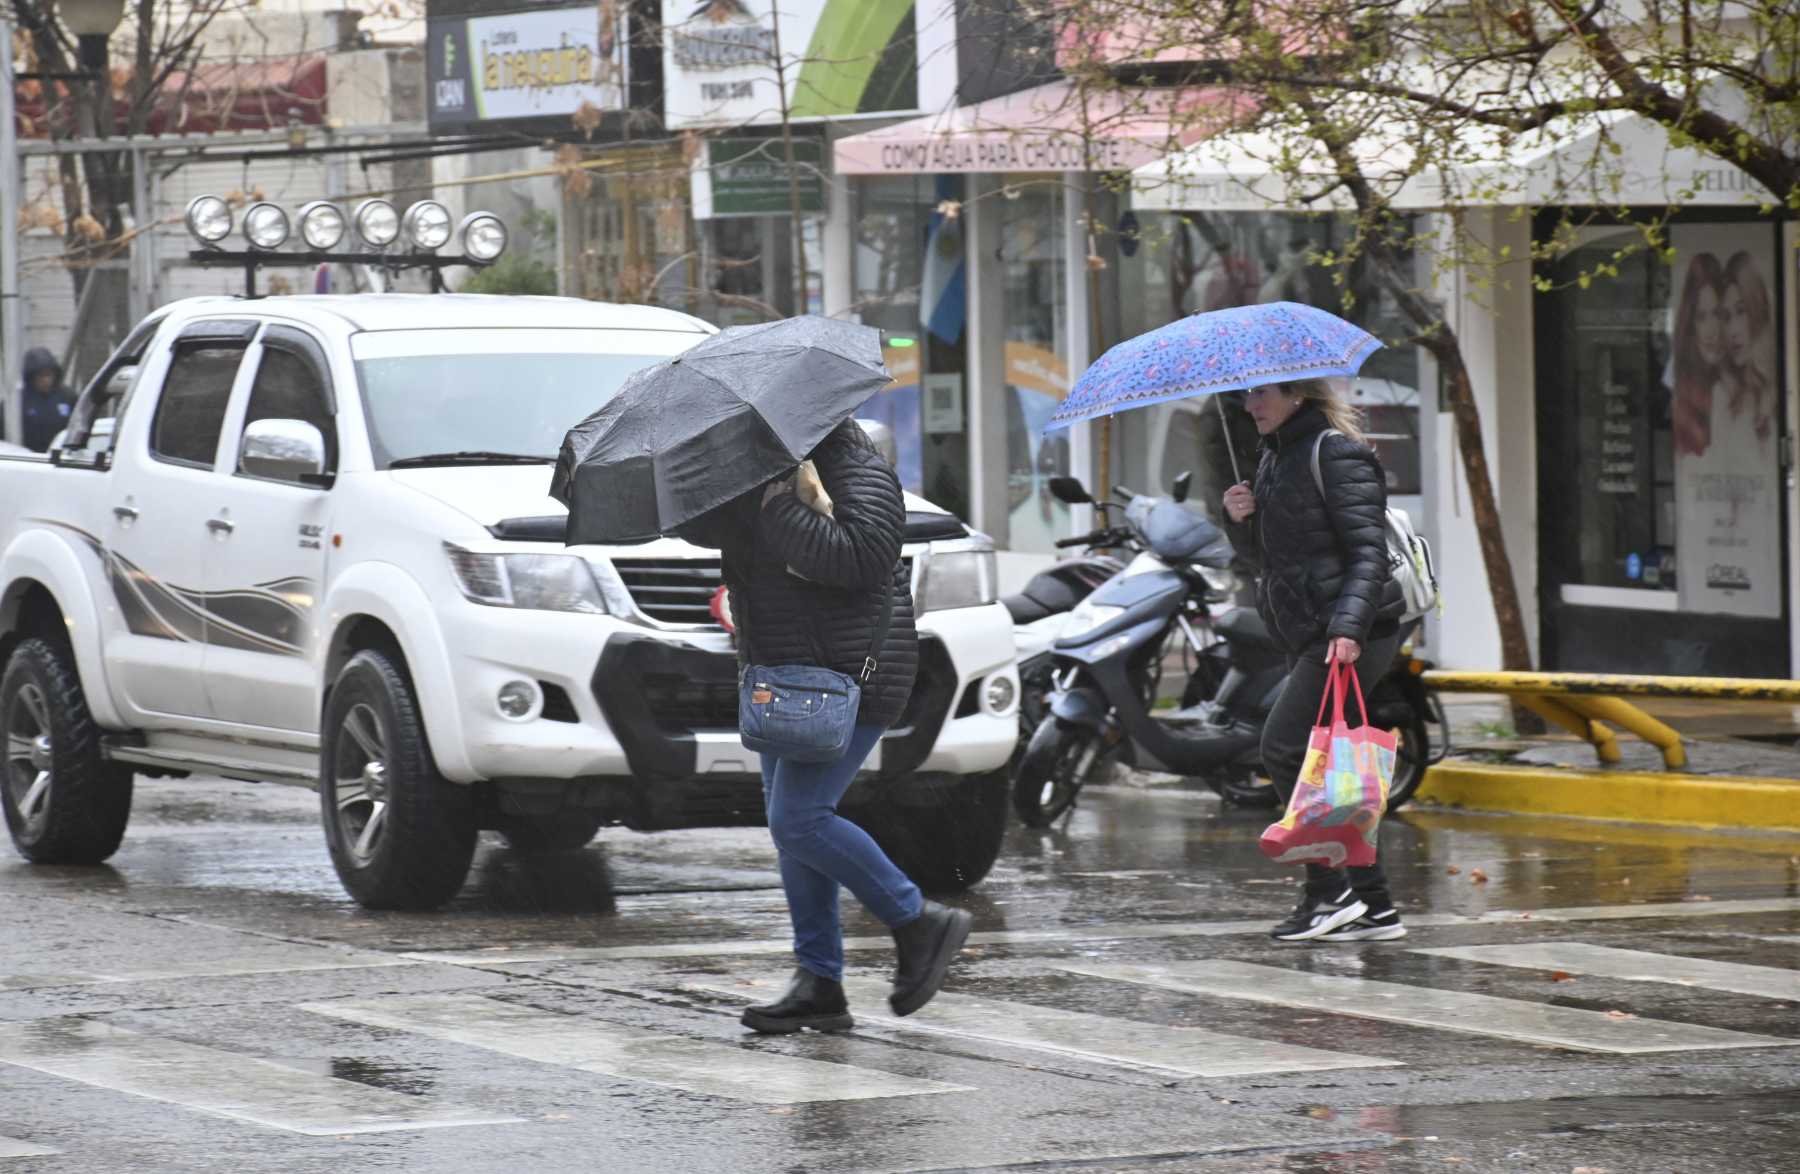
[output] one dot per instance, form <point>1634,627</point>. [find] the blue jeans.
<point>820,850</point>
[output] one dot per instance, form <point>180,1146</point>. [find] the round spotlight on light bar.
<point>483,236</point>
<point>208,219</point>
<point>265,226</point>
<point>321,225</point>
<point>426,226</point>
<point>377,223</point>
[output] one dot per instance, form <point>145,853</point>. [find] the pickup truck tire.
<point>944,831</point>
<point>65,804</point>
<point>401,837</point>
<point>539,835</point>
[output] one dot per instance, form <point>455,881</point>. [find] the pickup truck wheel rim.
<point>361,783</point>
<point>29,756</point>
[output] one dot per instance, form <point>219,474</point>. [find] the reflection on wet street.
<point>1570,996</point>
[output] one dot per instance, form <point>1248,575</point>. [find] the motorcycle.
<point>1108,669</point>
<point>1041,610</point>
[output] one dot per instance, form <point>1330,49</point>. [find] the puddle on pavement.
<point>412,1079</point>
<point>504,881</point>
<point>1560,1115</point>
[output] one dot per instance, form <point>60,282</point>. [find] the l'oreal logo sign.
<point>721,34</point>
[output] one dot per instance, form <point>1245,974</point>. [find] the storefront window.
<point>1037,371</point>
<point>1662,425</point>
<point>1187,262</point>
<point>912,283</point>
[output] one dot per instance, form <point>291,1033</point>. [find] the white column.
<point>839,241</point>
<point>987,360</point>
<point>1495,329</point>
<point>1077,331</point>
<point>934,26</point>
<point>11,333</point>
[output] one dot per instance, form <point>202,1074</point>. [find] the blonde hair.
<point>1342,415</point>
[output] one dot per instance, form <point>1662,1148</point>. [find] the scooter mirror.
<point>1183,483</point>
<point>1070,491</point>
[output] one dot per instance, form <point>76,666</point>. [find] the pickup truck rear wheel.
<point>944,831</point>
<point>401,837</point>
<point>65,804</point>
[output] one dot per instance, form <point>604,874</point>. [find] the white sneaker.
<point>1370,927</point>
<point>1314,918</point>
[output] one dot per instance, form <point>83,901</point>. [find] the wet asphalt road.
<point>211,1001</point>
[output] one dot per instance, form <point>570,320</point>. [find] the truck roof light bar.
<point>387,240</point>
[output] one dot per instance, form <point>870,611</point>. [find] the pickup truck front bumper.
<point>660,707</point>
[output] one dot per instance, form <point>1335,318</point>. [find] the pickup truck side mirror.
<point>283,450</point>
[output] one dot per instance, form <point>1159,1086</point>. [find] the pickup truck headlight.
<point>542,582</point>
<point>956,578</point>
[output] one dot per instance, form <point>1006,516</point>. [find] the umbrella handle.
<point>1230,448</point>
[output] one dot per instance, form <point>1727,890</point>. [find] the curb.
<point>1654,797</point>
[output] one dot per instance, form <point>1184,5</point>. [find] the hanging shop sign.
<point>722,67</point>
<point>748,176</point>
<point>541,64</point>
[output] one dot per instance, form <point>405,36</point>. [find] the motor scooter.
<point>1041,610</point>
<point>1108,668</point>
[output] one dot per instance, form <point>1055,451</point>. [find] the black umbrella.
<point>692,433</point>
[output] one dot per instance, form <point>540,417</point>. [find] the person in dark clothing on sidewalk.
<point>805,588</point>
<point>1325,593</point>
<point>44,401</point>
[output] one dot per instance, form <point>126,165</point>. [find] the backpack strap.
<point>1319,477</point>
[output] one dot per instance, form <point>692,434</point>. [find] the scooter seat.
<point>1025,609</point>
<point>1242,625</point>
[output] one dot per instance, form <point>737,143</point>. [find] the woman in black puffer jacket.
<point>806,588</point>
<point>1325,591</point>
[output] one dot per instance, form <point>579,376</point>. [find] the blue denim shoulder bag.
<point>805,713</point>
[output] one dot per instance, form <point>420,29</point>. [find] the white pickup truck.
<point>309,540</point>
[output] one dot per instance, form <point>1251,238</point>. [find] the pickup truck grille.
<point>672,591</point>
<point>678,591</point>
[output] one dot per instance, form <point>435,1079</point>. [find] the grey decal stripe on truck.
<point>269,617</point>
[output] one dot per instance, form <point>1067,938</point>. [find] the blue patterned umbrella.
<point>1224,350</point>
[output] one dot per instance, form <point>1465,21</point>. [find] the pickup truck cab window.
<point>191,414</point>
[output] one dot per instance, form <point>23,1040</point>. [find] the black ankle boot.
<point>927,945</point>
<point>809,1001</point>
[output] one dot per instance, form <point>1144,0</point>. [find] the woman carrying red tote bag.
<point>1335,810</point>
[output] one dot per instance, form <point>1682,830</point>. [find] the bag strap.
<point>1318,475</point>
<point>879,643</point>
<point>1332,688</point>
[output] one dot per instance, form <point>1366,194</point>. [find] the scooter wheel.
<point>1049,775</point>
<point>1411,757</point>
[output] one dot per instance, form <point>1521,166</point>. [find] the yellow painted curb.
<point>1657,797</point>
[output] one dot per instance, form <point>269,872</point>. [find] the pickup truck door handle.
<point>125,513</point>
<point>220,525</point>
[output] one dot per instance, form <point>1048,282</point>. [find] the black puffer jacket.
<point>1323,559</point>
<point>828,617</point>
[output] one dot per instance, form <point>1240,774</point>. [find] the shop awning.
<point>1056,127</point>
<point>1605,160</point>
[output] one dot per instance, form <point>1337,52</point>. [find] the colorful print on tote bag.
<point>1336,807</point>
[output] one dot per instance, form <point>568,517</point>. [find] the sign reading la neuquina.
<point>546,63</point>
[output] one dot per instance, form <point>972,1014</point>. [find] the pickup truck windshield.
<point>470,398</point>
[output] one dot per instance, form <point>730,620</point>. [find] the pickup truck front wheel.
<point>65,804</point>
<point>401,837</point>
<point>944,831</point>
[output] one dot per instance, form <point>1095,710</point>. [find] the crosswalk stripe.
<point>628,1053</point>
<point>1415,1006</point>
<point>12,1147</point>
<point>219,1082</point>
<point>1634,966</point>
<point>1137,931</point>
<point>1184,1051</point>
